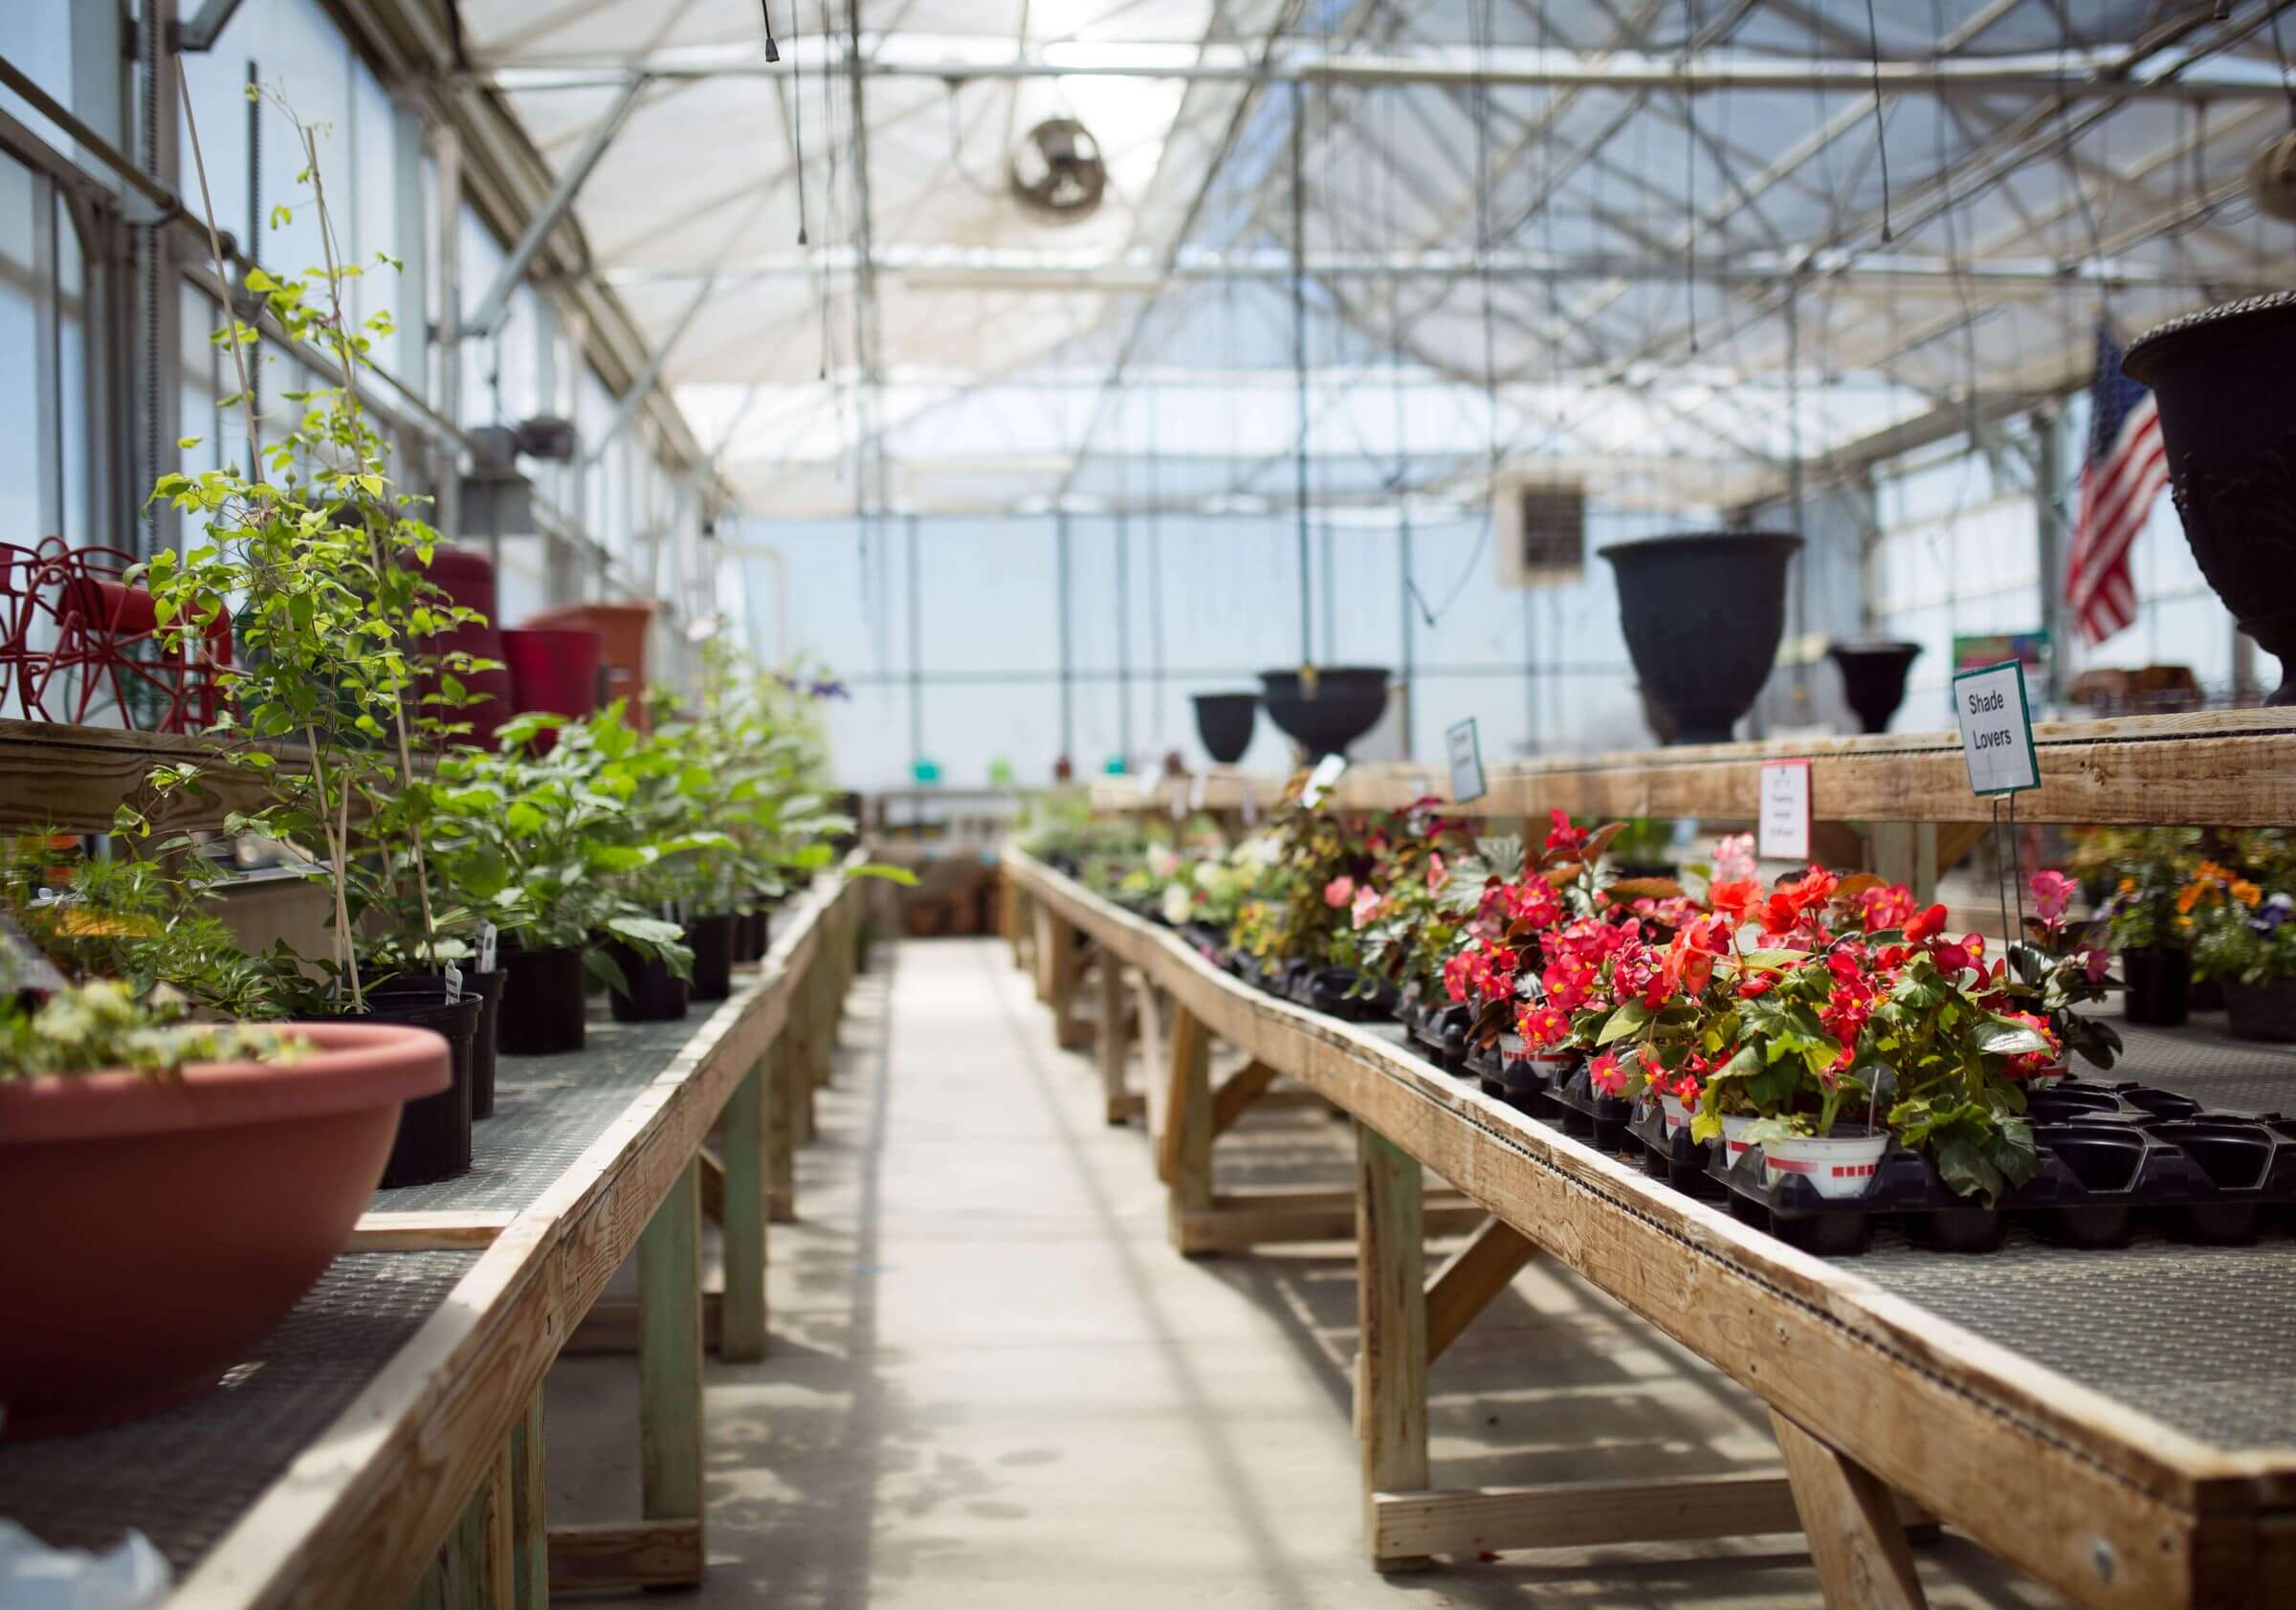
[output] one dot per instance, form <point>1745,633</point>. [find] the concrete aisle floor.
<point>993,1383</point>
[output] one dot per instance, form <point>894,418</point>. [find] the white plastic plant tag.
<point>489,937</point>
<point>1251,809</point>
<point>1996,729</point>
<point>1785,810</point>
<point>1198,790</point>
<point>1463,744</point>
<point>453,983</point>
<point>1320,781</point>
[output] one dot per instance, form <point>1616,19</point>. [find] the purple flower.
<point>831,688</point>
<point>2272,913</point>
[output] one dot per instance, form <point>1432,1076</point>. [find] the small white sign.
<point>453,984</point>
<point>1465,746</point>
<point>1785,810</point>
<point>488,936</point>
<point>1320,781</point>
<point>1996,729</point>
<point>1251,809</point>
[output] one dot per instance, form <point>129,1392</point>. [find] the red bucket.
<point>554,670</point>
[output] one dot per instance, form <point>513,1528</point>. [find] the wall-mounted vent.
<point>1541,532</point>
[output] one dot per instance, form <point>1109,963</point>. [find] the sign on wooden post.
<point>1784,819</point>
<point>1464,744</point>
<point>1996,729</point>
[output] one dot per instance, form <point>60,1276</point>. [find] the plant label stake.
<point>1463,744</point>
<point>488,936</point>
<point>1198,790</point>
<point>1784,820</point>
<point>453,983</point>
<point>1320,781</point>
<point>1251,811</point>
<point>1996,729</point>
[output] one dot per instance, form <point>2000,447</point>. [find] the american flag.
<point>2125,469</point>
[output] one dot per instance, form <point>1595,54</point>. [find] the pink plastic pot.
<point>624,627</point>
<point>555,670</point>
<point>159,1230</point>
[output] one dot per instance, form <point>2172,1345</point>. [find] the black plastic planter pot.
<point>490,988</point>
<point>2159,984</point>
<point>1347,702</point>
<point>749,935</point>
<point>2225,382</point>
<point>1873,678</point>
<point>2265,1011</point>
<point>1224,721</point>
<point>435,1130</point>
<point>1702,614</point>
<point>542,1012</point>
<point>712,939</point>
<point>652,993</point>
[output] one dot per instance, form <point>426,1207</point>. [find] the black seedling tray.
<point>1440,1034</point>
<point>1331,990</point>
<point>2211,1179</point>
<point>1676,1158</point>
<point>1590,1115</point>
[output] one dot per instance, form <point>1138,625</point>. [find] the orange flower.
<point>2247,892</point>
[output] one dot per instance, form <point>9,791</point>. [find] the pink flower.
<point>2094,963</point>
<point>2053,893</point>
<point>1562,835</point>
<point>1606,1076</point>
<point>1437,873</point>
<point>1339,890</point>
<point>1734,857</point>
<point>1368,906</point>
<point>1541,1025</point>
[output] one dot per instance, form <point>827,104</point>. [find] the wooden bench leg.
<point>1044,929</point>
<point>669,1356</point>
<point>1474,1274</point>
<point>1851,1519</point>
<point>1391,1365</point>
<point>741,1336</point>
<point>781,1133</point>
<point>529,1512</point>
<point>1184,1141</point>
<point>1116,1038</point>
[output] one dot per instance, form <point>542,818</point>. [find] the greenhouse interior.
<point>909,805</point>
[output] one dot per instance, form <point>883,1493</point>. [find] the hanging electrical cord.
<point>1689,163</point>
<point>987,193</point>
<point>1880,127</point>
<point>1479,23</point>
<point>797,108</point>
<point>773,52</point>
<point>1299,369</point>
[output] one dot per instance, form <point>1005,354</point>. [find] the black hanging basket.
<point>1347,701</point>
<point>1703,613</point>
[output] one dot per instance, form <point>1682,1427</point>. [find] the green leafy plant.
<point>103,1025</point>
<point>320,558</point>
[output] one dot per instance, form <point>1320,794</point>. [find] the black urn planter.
<point>1703,613</point>
<point>542,1012</point>
<point>2159,980</point>
<point>712,939</point>
<point>1224,721</point>
<point>2225,382</point>
<point>1873,678</point>
<point>1348,703</point>
<point>434,1141</point>
<point>651,992</point>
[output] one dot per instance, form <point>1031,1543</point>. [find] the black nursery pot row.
<point>532,1004</point>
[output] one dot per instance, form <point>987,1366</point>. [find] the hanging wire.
<point>989,192</point>
<point>797,112</point>
<point>1881,128</point>
<point>1299,369</point>
<point>1479,23</point>
<point>773,52</point>
<point>1689,168</point>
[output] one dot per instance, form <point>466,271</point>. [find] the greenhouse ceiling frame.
<point>2034,213</point>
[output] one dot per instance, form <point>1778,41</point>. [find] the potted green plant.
<point>187,1183</point>
<point>541,842</point>
<point>323,562</point>
<point>2148,930</point>
<point>2244,937</point>
<point>2058,967</point>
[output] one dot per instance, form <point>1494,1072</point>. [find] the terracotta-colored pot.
<point>159,1229</point>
